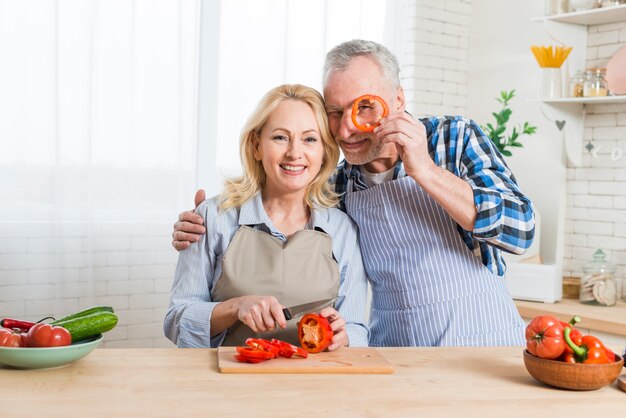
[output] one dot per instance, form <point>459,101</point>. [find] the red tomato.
<point>314,333</point>
<point>46,335</point>
<point>544,337</point>
<point>10,338</point>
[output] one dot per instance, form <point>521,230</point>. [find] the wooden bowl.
<point>572,376</point>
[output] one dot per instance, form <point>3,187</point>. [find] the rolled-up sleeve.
<point>188,319</point>
<point>505,216</point>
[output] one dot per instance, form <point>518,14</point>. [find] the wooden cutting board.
<point>357,360</point>
<point>621,382</point>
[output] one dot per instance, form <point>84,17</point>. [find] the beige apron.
<point>297,271</point>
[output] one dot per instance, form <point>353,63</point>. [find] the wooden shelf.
<point>611,319</point>
<point>589,17</point>
<point>587,100</point>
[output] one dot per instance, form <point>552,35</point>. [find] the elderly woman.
<point>274,238</point>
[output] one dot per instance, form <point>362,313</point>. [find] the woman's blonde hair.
<point>319,193</point>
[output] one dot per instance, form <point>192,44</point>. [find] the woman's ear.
<point>255,146</point>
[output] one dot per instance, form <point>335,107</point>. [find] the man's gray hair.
<point>340,56</point>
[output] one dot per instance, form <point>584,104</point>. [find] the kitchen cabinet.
<point>427,381</point>
<point>571,29</point>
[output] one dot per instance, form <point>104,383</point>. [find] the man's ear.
<point>400,101</point>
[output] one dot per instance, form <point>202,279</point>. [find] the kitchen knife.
<point>299,310</point>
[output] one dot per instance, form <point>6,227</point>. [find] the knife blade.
<point>299,310</point>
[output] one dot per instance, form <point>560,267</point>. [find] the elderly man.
<point>435,204</point>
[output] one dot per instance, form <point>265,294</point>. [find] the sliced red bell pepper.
<point>356,110</point>
<point>244,359</point>
<point>289,350</point>
<point>262,344</point>
<point>314,333</point>
<point>544,337</point>
<point>254,353</point>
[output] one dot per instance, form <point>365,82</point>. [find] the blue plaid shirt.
<point>505,218</point>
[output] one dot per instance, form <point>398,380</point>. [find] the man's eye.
<point>335,114</point>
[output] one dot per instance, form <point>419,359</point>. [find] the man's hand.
<point>409,136</point>
<point>189,227</point>
<point>338,325</point>
<point>452,193</point>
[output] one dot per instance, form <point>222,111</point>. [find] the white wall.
<point>500,59</point>
<point>58,268</point>
<point>591,198</point>
<point>434,59</point>
<point>596,200</point>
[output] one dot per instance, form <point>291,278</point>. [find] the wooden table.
<point>427,382</point>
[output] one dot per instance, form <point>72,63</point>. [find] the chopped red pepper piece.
<point>314,333</point>
<point>289,350</point>
<point>244,359</point>
<point>365,114</point>
<point>254,353</point>
<point>261,344</point>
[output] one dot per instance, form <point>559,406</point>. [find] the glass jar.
<point>598,285</point>
<point>595,84</point>
<point>576,84</point>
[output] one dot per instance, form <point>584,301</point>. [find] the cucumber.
<point>86,312</point>
<point>87,326</point>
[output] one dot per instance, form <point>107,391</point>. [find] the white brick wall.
<point>434,59</point>
<point>596,204</point>
<point>56,269</point>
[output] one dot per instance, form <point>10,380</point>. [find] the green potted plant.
<point>498,134</point>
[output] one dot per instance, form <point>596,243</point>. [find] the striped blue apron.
<point>428,289</point>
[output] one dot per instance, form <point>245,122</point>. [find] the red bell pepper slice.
<point>544,337</point>
<point>314,333</point>
<point>244,359</point>
<point>357,109</point>
<point>289,350</point>
<point>262,344</point>
<point>254,353</point>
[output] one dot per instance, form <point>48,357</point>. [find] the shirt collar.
<point>253,213</point>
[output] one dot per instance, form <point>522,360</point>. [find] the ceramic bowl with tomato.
<point>574,376</point>
<point>46,357</point>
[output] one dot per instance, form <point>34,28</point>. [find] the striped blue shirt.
<point>187,322</point>
<point>505,219</point>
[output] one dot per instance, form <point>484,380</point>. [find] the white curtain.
<point>97,108</point>
<point>260,44</point>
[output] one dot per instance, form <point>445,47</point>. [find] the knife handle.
<point>287,314</point>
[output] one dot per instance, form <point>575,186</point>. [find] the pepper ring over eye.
<point>367,111</point>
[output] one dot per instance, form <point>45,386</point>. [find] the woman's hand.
<point>260,313</point>
<point>338,325</point>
